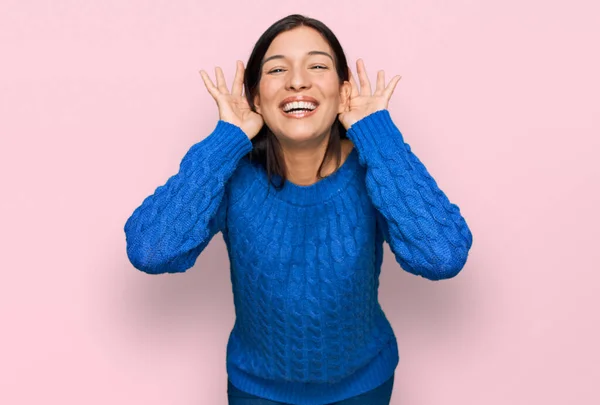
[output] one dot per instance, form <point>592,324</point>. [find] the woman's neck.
<point>302,165</point>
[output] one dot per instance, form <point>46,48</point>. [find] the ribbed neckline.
<point>318,192</point>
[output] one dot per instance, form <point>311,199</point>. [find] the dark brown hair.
<point>266,148</point>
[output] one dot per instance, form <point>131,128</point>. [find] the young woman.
<point>306,176</point>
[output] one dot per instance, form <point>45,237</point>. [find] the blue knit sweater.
<point>305,260</point>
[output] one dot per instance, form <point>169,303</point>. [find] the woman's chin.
<point>299,130</point>
<point>298,135</point>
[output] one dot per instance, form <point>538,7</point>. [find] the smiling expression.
<point>299,93</point>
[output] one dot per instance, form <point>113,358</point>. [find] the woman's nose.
<point>298,81</point>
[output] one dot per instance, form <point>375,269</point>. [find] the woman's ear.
<point>257,103</point>
<point>345,90</point>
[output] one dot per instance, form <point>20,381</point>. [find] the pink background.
<point>100,100</point>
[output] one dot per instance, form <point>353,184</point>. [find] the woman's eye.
<point>277,70</point>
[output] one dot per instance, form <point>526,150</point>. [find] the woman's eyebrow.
<point>283,57</point>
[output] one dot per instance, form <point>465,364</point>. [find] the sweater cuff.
<point>376,133</point>
<point>227,143</point>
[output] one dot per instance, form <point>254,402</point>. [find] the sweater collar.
<point>318,192</point>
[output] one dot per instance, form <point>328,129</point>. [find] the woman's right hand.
<point>233,107</point>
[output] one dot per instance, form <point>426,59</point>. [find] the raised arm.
<point>427,234</point>
<point>171,227</point>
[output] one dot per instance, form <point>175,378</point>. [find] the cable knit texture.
<point>305,260</point>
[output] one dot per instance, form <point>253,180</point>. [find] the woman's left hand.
<point>364,103</point>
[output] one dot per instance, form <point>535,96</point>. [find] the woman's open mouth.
<point>299,109</point>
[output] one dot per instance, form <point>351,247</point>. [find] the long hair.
<point>266,148</point>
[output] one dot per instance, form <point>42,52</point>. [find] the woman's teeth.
<point>298,107</point>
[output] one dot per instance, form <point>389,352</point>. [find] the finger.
<point>353,85</point>
<point>212,90</point>
<point>365,84</point>
<point>221,85</point>
<point>380,87</point>
<point>389,90</point>
<point>238,81</point>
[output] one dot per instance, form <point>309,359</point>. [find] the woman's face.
<point>299,66</point>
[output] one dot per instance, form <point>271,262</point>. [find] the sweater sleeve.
<point>171,227</point>
<point>426,232</point>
